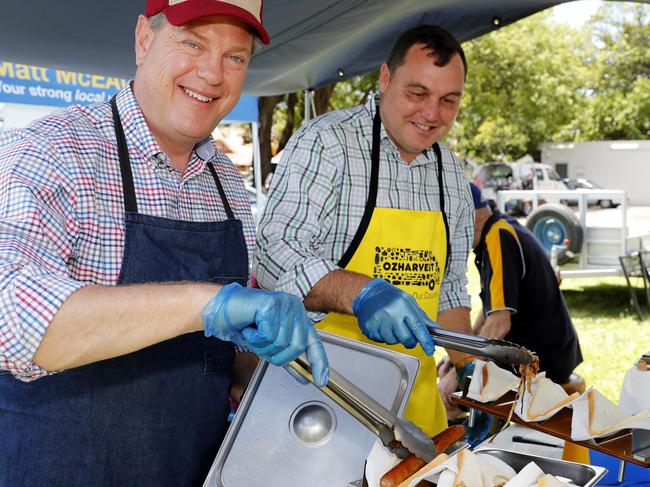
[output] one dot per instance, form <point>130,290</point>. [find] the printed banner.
<point>21,83</point>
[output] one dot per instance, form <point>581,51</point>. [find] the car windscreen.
<point>495,171</point>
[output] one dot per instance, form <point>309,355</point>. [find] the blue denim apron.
<point>153,417</point>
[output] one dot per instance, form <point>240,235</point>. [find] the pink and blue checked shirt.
<point>61,212</point>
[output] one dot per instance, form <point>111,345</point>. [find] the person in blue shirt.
<point>521,303</point>
<point>520,294</point>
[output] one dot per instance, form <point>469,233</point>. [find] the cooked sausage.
<point>412,464</point>
<point>401,471</point>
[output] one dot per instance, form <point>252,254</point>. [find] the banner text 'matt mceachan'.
<point>24,72</point>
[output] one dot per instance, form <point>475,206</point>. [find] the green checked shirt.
<point>318,196</point>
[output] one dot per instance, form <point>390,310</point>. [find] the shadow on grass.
<point>604,301</point>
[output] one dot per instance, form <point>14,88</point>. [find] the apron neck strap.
<point>441,187</point>
<point>128,189</point>
<point>130,203</point>
<point>371,201</point>
<point>222,193</point>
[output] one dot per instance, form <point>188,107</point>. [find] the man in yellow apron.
<point>370,220</point>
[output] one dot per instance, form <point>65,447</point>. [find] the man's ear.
<point>384,77</point>
<point>143,38</point>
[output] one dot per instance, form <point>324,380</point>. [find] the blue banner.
<point>246,110</point>
<point>20,83</point>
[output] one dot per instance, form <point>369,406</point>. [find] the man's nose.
<point>431,110</point>
<point>211,70</point>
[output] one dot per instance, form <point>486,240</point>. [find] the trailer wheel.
<point>553,224</point>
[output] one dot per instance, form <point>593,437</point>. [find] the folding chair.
<point>644,261</point>
<point>631,265</point>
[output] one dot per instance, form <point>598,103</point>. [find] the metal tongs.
<point>501,351</point>
<point>399,435</point>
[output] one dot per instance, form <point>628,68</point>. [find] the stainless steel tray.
<point>577,473</point>
<point>287,434</point>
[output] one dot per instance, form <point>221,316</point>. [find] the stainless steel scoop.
<point>399,435</point>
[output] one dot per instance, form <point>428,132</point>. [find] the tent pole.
<point>257,170</point>
<point>308,95</point>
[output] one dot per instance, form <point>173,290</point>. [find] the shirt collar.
<point>494,217</point>
<point>139,137</point>
<point>205,149</point>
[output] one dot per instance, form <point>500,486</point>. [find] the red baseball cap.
<point>180,12</point>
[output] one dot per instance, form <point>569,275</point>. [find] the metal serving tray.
<point>577,473</point>
<point>286,434</point>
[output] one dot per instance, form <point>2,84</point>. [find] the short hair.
<point>438,40</point>
<point>157,21</point>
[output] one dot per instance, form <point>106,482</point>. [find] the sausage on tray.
<point>412,464</point>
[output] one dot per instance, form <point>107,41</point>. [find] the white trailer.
<point>600,244</point>
<point>621,164</point>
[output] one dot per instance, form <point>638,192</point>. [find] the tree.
<point>266,106</point>
<point>619,105</point>
<point>354,91</point>
<point>524,87</point>
<point>280,116</point>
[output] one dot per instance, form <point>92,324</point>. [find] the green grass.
<point>610,336</point>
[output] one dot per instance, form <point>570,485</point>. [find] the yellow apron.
<point>409,249</point>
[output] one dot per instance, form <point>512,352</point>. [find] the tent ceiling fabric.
<point>312,41</point>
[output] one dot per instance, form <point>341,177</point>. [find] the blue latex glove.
<point>273,325</point>
<point>482,421</point>
<point>389,315</point>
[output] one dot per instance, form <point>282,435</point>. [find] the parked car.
<point>527,174</point>
<point>535,175</point>
<point>582,183</point>
<point>496,176</point>
<point>492,177</point>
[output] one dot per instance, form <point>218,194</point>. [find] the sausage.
<point>412,464</point>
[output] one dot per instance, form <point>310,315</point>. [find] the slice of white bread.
<point>497,381</point>
<point>469,470</point>
<point>549,481</point>
<point>547,396</point>
<point>490,382</point>
<point>527,476</point>
<point>604,415</point>
<point>474,472</point>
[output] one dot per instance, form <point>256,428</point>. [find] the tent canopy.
<point>313,42</point>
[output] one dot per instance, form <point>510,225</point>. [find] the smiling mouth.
<point>425,128</point>
<point>197,96</point>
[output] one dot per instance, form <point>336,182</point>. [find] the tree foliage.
<point>524,87</point>
<point>280,116</point>
<point>619,105</point>
<point>534,81</point>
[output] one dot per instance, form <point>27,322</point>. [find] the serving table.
<point>628,445</point>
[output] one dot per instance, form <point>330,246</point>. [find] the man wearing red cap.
<point>124,243</point>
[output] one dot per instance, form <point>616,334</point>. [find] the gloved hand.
<point>482,421</point>
<point>273,325</point>
<point>389,315</point>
